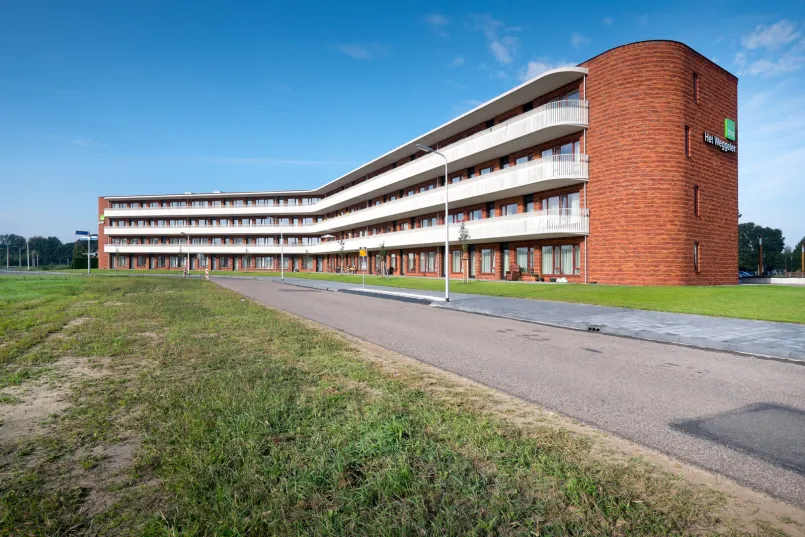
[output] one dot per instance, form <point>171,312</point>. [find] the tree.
<point>382,255</point>
<point>247,261</point>
<point>796,256</point>
<point>749,235</point>
<point>16,244</point>
<point>464,241</point>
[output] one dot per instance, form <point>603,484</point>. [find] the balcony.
<point>543,224</point>
<point>544,123</point>
<point>535,176</point>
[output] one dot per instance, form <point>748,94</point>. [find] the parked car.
<point>742,275</point>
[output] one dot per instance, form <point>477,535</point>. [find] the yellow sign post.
<point>363,254</point>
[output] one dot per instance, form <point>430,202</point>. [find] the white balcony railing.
<point>534,225</point>
<point>534,176</point>
<point>572,114</point>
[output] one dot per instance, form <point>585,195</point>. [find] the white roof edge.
<point>581,71</point>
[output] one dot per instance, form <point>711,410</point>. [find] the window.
<point>490,123</point>
<point>161,261</point>
<point>529,203</point>
<point>455,180</point>
<point>695,88</point>
<point>423,261</point>
<point>687,141</point>
<point>490,209</point>
<point>696,256</point>
<point>456,260</point>
<point>527,107</point>
<point>573,95</point>
<point>487,263</point>
<point>577,260</point>
<point>140,260</point>
<point>411,192</point>
<point>522,258</point>
<point>509,208</point>
<point>477,214</point>
<point>471,172</point>
<point>486,170</point>
<point>411,262</point>
<point>522,160</point>
<point>404,226</point>
<point>696,200</point>
<point>431,261</point>
<point>547,259</point>
<point>567,259</point>
<point>393,261</point>
<point>456,218</point>
<point>504,162</point>
<point>174,261</point>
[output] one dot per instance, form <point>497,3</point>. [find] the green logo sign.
<point>729,129</point>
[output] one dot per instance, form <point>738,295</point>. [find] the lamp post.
<point>27,255</point>
<point>6,253</point>
<point>760,257</point>
<point>429,149</point>
<point>187,261</point>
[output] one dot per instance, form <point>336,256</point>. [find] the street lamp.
<point>428,149</point>
<point>187,261</point>
<point>760,257</point>
<point>27,255</point>
<point>282,256</point>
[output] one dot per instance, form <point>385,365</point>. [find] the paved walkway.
<point>764,338</point>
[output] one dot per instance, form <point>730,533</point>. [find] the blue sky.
<point>103,98</point>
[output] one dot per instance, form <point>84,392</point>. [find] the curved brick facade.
<point>641,190</point>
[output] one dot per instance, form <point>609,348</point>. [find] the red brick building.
<point>621,170</point>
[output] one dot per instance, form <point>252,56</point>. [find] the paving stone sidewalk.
<point>764,338</point>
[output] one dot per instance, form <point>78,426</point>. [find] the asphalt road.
<point>740,416</point>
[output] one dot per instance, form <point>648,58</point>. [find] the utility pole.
<point>760,258</point>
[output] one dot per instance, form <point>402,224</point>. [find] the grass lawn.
<point>186,410</point>
<point>761,302</point>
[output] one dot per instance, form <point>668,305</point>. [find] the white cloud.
<point>502,50</point>
<point>772,37</point>
<point>765,67</point>
<point>437,23</point>
<point>457,61</point>
<point>771,50</point>
<point>365,51</point>
<point>502,44</point>
<point>608,21</point>
<point>536,68</point>
<point>86,142</point>
<point>578,40</point>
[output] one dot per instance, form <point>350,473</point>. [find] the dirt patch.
<point>747,509</point>
<point>44,397</point>
<point>78,321</point>
<point>107,465</point>
<point>25,418</point>
<point>111,303</point>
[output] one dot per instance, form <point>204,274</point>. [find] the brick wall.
<point>642,225</point>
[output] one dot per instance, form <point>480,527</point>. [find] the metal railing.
<point>572,112</point>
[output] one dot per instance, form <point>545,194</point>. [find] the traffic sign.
<point>82,232</point>
<point>362,252</point>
